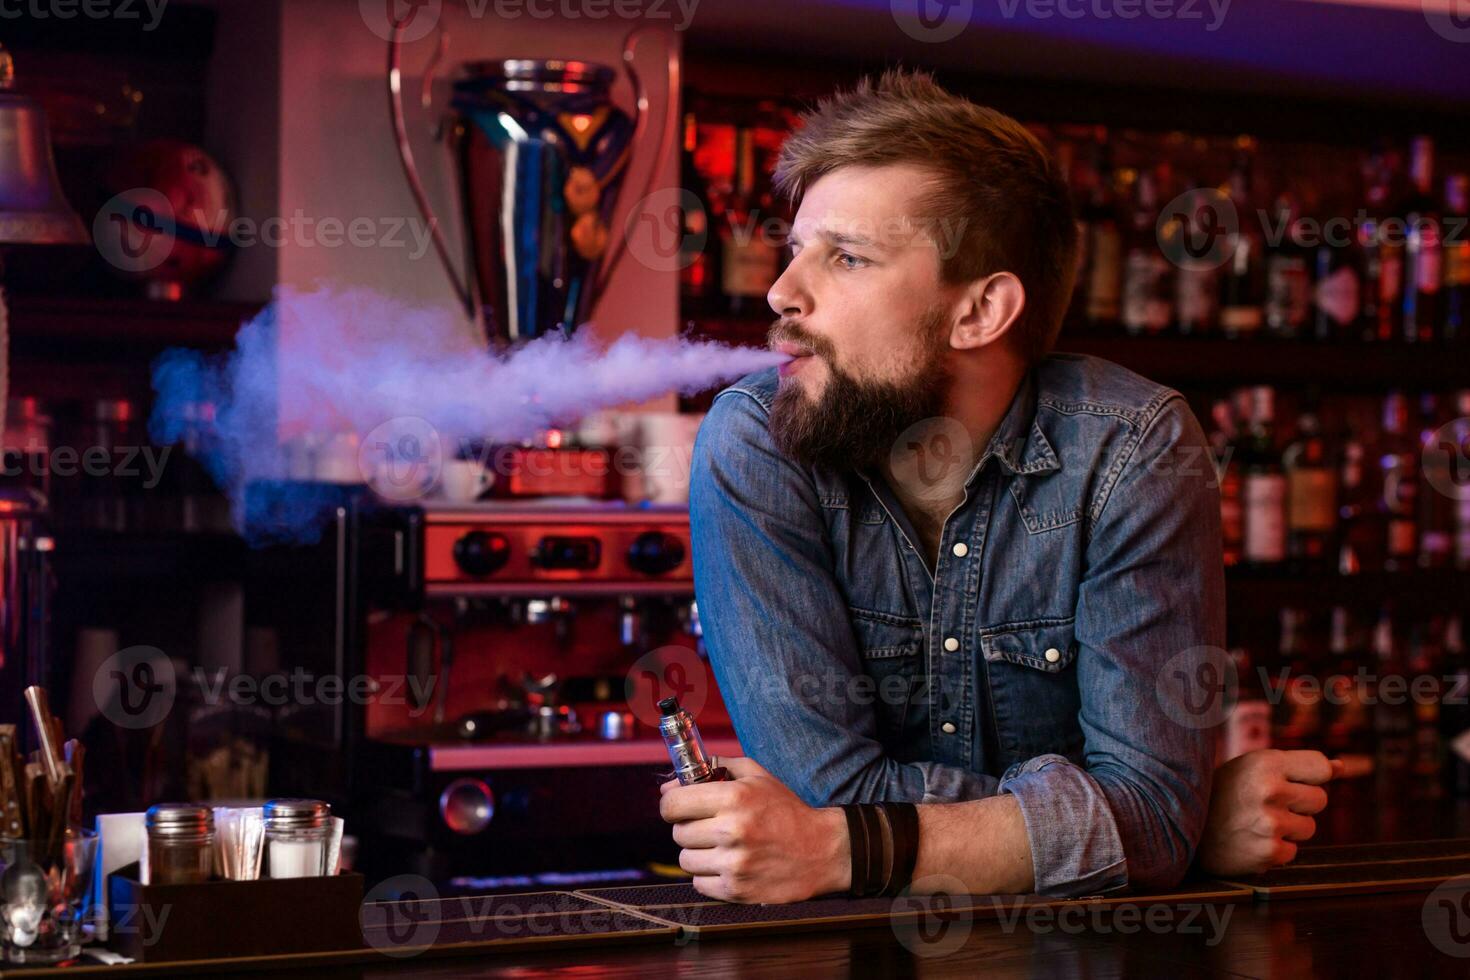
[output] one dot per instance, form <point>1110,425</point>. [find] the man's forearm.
<point>981,844</point>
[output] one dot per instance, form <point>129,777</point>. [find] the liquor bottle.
<point>1299,714</point>
<point>1104,241</point>
<point>1454,714</point>
<point>1398,481</point>
<point>1311,498</point>
<point>1454,300</point>
<point>1423,256</point>
<point>750,259</point>
<point>698,249</point>
<point>1148,289</point>
<point>1436,509</point>
<point>1226,444</point>
<point>1249,725</point>
<point>1197,280</point>
<point>1425,692</point>
<point>1458,452</point>
<point>1240,278</point>
<point>1336,291</point>
<point>1383,257</point>
<point>1288,296</point>
<point>1263,484</point>
<point>1345,689</point>
<point>1080,178</point>
<point>1393,717</point>
<point>1358,544</point>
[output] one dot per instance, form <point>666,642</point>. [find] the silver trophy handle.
<point>667,129</point>
<point>465,288</point>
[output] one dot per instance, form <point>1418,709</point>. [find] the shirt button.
<point>961,550</point>
<point>951,644</point>
<point>1052,655</point>
<point>947,728</point>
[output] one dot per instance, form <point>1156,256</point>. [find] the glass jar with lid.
<point>180,843</point>
<point>296,834</point>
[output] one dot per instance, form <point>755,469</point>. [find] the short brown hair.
<point>991,173</point>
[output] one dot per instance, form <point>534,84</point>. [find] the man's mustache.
<point>788,331</point>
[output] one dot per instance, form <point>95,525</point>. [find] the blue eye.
<point>849,255</point>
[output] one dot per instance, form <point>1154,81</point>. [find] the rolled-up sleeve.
<point>1150,617</point>
<point>776,624</point>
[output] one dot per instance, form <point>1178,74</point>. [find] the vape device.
<point>686,748</point>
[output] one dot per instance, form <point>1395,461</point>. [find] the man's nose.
<point>787,296</point>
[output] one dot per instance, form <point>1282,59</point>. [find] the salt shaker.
<point>180,843</point>
<point>296,833</point>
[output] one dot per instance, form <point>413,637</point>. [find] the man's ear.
<point>989,308</point>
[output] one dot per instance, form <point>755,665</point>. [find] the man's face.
<point>864,312</point>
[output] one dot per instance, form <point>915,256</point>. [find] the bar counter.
<point>1407,932</point>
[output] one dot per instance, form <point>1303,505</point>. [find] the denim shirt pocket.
<point>892,654</point>
<point>1033,687</point>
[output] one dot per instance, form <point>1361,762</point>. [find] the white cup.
<point>463,480</point>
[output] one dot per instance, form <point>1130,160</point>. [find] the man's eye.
<point>842,256</point>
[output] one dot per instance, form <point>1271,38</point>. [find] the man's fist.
<point>753,840</point>
<point>1261,808</point>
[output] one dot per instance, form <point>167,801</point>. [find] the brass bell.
<point>33,209</point>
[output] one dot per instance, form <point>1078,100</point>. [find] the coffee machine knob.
<point>467,806</point>
<point>655,552</point>
<point>482,552</point>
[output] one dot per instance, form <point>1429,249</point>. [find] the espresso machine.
<point>500,665</point>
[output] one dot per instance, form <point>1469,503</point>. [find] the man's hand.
<point>752,840</point>
<point>1261,808</point>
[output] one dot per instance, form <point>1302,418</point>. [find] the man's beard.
<point>855,422</point>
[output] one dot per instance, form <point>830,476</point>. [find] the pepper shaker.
<point>180,843</point>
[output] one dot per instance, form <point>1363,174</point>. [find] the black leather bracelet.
<point>903,818</point>
<point>877,866</point>
<point>857,843</point>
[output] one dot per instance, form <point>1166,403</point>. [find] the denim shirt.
<point>1048,658</point>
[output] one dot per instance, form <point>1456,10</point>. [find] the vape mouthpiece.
<point>668,706</point>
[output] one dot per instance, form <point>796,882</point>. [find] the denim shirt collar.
<point>1018,441</point>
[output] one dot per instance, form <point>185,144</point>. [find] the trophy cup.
<point>540,152</point>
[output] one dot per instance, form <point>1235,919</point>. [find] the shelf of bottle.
<point>1182,360</point>
<point>125,322</point>
<point>1266,589</point>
